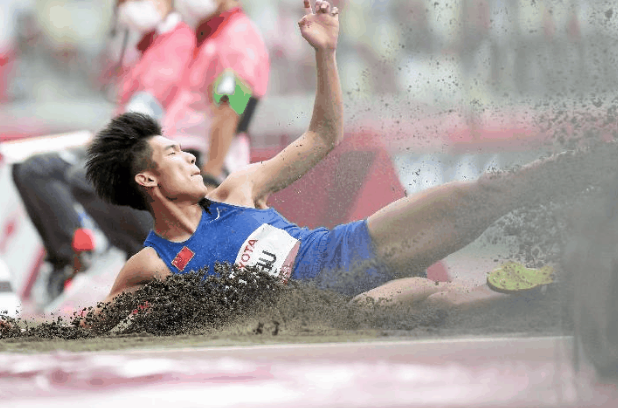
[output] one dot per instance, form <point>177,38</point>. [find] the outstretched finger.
<point>335,11</point>
<point>308,9</point>
<point>323,7</point>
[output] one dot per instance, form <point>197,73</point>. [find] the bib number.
<point>271,250</point>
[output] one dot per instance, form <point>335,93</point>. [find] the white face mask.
<point>194,11</point>
<point>141,15</point>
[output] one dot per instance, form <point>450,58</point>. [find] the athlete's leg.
<point>404,290</point>
<point>416,231</point>
<point>441,294</point>
<point>465,297</point>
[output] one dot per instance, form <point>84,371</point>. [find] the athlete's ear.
<point>146,179</point>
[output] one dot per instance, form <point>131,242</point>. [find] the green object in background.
<point>228,85</point>
<point>513,277</point>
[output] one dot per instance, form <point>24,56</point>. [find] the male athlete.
<point>131,163</point>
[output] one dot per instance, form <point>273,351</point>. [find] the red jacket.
<point>165,56</point>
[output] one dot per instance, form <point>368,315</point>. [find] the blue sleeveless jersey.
<point>245,236</point>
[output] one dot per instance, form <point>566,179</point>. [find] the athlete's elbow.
<point>339,138</point>
<point>332,136</point>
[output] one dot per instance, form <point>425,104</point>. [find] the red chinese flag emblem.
<point>183,258</point>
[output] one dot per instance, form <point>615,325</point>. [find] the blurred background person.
<point>502,37</point>
<point>72,38</point>
<point>8,40</point>
<point>50,183</point>
<point>211,112</point>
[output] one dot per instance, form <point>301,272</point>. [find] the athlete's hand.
<point>320,28</point>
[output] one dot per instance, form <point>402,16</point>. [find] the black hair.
<point>118,153</point>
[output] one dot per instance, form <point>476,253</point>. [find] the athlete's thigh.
<point>420,229</point>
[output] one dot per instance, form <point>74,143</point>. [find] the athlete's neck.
<point>174,221</point>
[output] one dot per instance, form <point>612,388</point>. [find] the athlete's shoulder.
<point>237,188</point>
<point>140,269</point>
<point>145,265</point>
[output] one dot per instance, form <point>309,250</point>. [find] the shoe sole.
<point>515,278</point>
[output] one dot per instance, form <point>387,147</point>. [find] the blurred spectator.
<point>412,18</point>
<point>576,47</point>
<point>474,19</point>
<point>369,48</point>
<point>474,32</point>
<point>292,71</point>
<point>382,46</point>
<point>531,50</point>
<point>120,54</point>
<point>378,39</point>
<point>50,183</point>
<point>502,36</point>
<point>10,10</point>
<point>213,107</point>
<point>75,32</point>
<point>445,23</point>
<point>353,65</point>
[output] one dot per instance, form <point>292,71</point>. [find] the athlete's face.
<point>175,175</point>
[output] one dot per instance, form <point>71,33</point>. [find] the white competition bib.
<point>270,249</point>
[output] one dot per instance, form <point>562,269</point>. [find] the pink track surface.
<point>507,372</point>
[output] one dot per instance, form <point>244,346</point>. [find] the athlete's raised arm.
<point>320,28</point>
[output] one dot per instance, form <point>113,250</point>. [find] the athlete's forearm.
<point>327,119</point>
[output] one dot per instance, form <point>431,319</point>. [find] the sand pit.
<point>307,347</point>
<point>183,312</point>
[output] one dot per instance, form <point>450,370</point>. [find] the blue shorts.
<point>342,259</point>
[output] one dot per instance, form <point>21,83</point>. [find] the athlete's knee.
<point>491,182</point>
<point>442,299</point>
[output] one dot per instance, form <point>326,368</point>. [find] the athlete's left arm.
<point>325,131</point>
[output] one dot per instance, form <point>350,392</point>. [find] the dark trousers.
<point>49,185</point>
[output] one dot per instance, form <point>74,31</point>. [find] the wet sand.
<point>301,314</point>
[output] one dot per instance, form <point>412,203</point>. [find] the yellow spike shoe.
<point>513,277</point>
